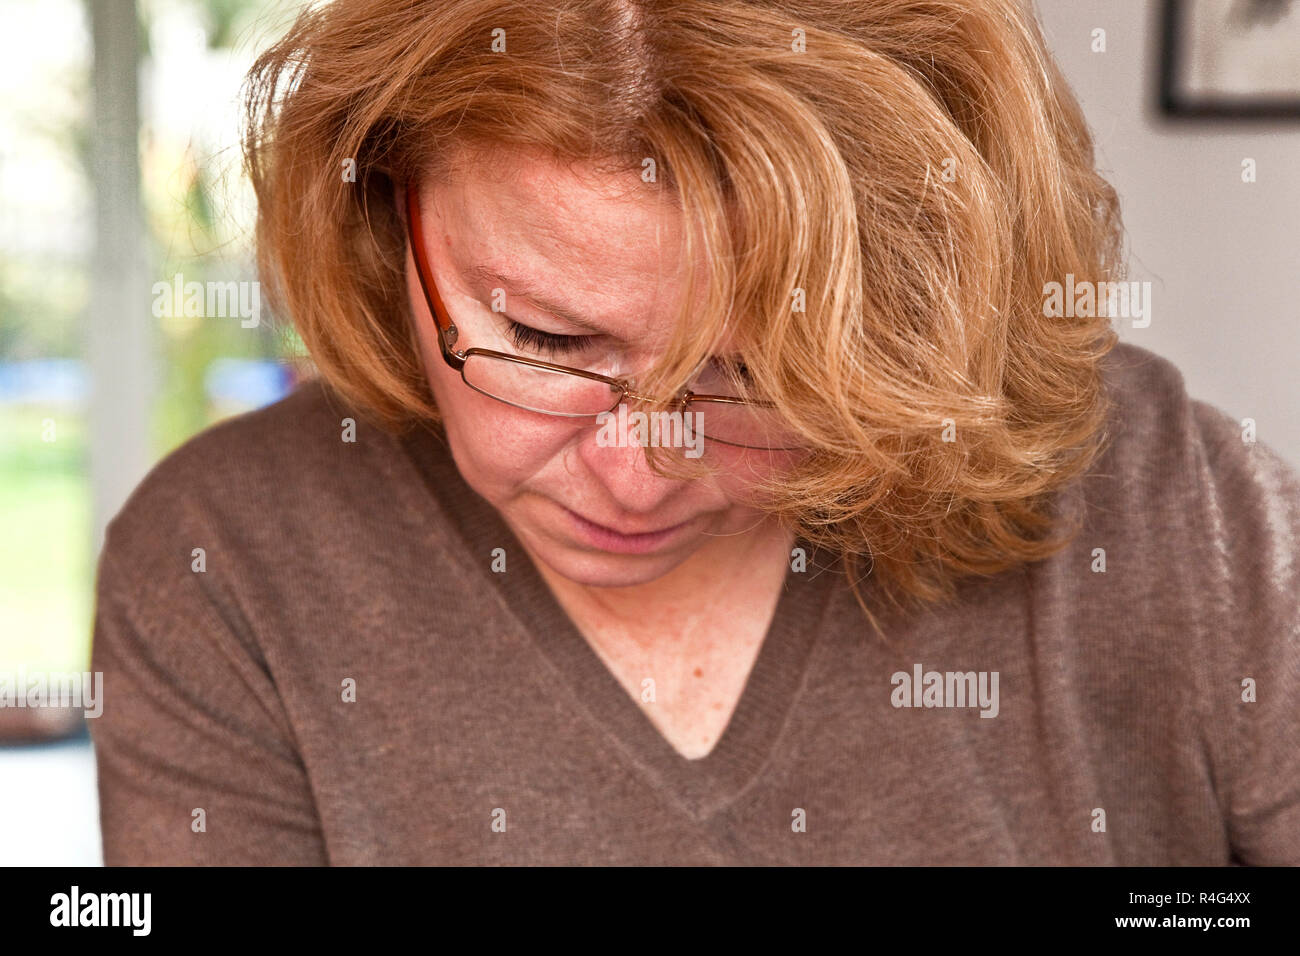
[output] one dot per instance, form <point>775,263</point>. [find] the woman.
<point>696,473</point>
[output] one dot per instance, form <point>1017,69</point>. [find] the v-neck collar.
<point>699,787</point>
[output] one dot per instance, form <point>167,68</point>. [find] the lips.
<point>611,540</point>
<point>627,534</point>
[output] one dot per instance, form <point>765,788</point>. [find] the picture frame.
<point>1230,59</point>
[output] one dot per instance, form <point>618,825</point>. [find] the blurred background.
<point>120,168</point>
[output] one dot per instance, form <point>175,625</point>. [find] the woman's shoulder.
<point>265,474</point>
<point>1200,519</point>
<point>1169,449</point>
<point>1194,501</point>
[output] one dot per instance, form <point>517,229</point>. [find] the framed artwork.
<point>1230,58</point>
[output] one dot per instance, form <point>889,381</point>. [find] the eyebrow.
<point>523,290</point>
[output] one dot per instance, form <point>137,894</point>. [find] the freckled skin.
<point>614,251</point>
<point>612,247</point>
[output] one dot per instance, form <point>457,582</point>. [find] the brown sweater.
<point>485,730</point>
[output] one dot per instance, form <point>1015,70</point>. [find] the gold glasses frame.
<point>620,388</point>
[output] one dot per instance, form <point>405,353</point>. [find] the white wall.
<point>1223,256</point>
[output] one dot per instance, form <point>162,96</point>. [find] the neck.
<point>726,566</point>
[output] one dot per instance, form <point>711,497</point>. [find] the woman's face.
<point>610,254</point>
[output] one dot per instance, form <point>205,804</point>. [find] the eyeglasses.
<point>566,392</point>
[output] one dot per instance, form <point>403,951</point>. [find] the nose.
<point>613,451</point>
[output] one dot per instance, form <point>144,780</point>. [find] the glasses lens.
<point>751,426</point>
<point>563,393</point>
<point>538,389</point>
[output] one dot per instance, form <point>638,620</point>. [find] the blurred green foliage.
<point>47,566</point>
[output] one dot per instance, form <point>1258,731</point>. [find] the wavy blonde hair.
<point>915,170</point>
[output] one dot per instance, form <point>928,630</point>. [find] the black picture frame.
<point>1175,100</point>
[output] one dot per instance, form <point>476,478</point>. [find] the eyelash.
<point>527,337</point>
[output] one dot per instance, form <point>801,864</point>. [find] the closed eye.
<point>732,367</point>
<point>741,369</point>
<point>529,338</point>
<point>724,375</point>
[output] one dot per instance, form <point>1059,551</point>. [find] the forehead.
<point>606,244</point>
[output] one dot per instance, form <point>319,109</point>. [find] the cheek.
<point>497,447</point>
<point>743,470</point>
